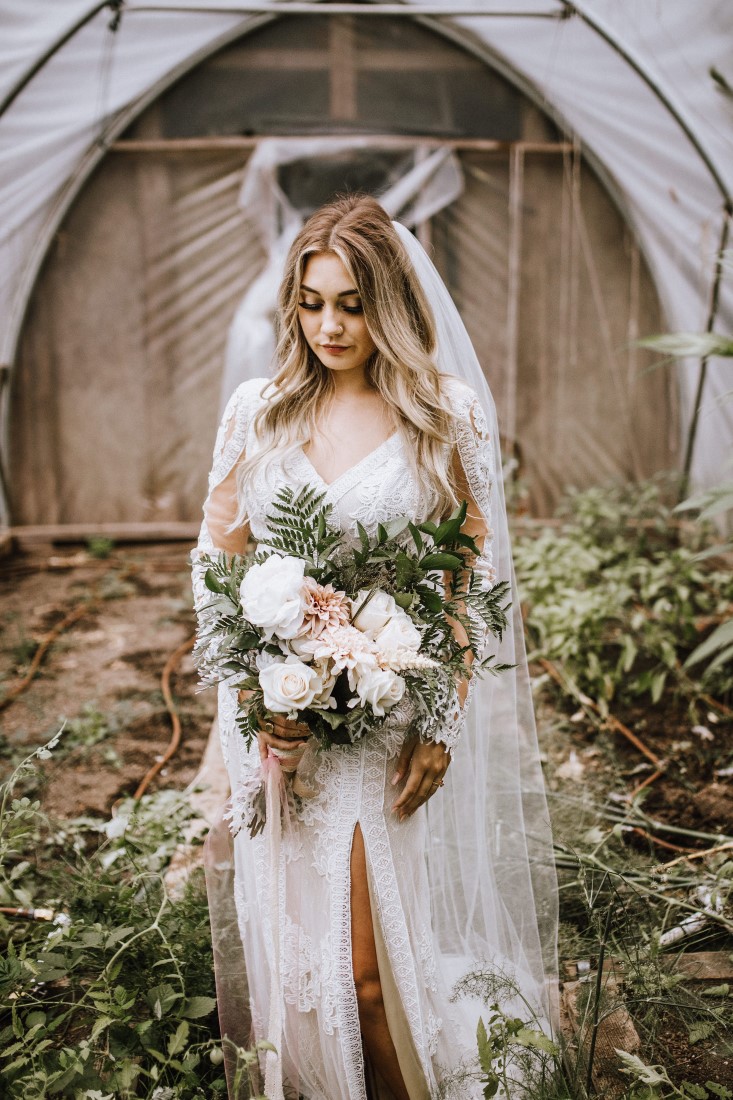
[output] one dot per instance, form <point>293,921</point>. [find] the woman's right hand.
<point>280,733</point>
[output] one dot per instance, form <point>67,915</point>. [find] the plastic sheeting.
<point>49,133</point>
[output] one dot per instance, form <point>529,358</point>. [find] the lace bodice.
<point>378,488</point>
<point>381,485</point>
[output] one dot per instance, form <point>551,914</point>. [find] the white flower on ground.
<point>375,614</point>
<point>380,687</point>
<point>398,634</point>
<point>289,685</point>
<point>272,596</point>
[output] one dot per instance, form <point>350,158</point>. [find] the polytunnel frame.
<point>260,14</point>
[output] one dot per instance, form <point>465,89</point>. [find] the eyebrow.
<point>342,294</point>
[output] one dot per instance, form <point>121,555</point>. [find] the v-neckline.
<point>351,470</point>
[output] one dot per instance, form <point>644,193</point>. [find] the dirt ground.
<point>100,680</point>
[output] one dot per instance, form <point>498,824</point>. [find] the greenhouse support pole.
<point>702,375</point>
<point>115,7</point>
<point>4,418</point>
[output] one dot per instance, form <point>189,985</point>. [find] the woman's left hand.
<point>424,764</point>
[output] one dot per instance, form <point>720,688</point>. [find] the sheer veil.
<point>492,875</point>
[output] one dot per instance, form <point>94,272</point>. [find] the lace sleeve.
<point>220,506</point>
<point>474,472</point>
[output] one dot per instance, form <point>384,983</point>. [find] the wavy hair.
<point>399,319</point>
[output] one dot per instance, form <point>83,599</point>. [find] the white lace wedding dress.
<point>293,897</point>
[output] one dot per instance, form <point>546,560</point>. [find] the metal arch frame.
<point>448,8</point>
<point>461,36</point>
<point>24,80</point>
<point>258,14</point>
<point>60,206</point>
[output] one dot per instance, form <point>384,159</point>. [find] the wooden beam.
<point>237,61</point>
<point>228,143</point>
<point>117,532</point>
<point>451,8</point>
<point>343,106</point>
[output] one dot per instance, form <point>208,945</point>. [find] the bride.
<point>405,865</point>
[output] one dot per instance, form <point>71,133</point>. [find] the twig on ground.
<point>165,681</point>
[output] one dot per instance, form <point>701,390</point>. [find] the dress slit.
<point>399,1028</point>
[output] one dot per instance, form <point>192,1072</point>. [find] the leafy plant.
<point>717,501</point>
<point>653,1083</point>
<point>616,600</point>
<point>98,546</point>
<point>115,997</point>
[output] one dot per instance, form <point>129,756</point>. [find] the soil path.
<point>101,678</point>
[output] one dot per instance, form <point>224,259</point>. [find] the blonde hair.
<point>400,322</point>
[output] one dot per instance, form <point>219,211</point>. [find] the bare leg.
<point>372,1017</point>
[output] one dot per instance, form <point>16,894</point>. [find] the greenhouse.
<point>569,165</point>
<point>457,820</point>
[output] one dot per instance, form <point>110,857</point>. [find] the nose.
<point>331,326</point>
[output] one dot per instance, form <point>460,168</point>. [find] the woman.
<point>409,864</point>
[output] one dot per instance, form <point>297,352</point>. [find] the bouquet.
<point>336,633</point>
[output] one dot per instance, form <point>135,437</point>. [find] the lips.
<point>335,347</point>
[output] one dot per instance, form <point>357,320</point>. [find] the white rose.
<point>271,596</point>
<point>381,688</point>
<point>375,614</point>
<point>399,633</point>
<point>289,685</point>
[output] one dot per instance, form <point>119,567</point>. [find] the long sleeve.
<point>474,471</point>
<point>220,506</point>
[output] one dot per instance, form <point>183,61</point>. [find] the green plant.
<point>619,909</point>
<point>115,998</point>
<point>616,600</point>
<point>98,546</point>
<point>718,500</point>
<point>653,1083</point>
<point>517,1058</point>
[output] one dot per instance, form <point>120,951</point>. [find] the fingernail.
<point>396,778</point>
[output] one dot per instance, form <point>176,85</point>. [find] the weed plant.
<point>619,597</point>
<point>619,911</point>
<point>114,998</point>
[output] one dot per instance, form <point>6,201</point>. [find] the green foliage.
<point>616,600</point>
<point>303,531</point>
<point>717,649</point>
<point>620,910</point>
<point>114,998</point>
<point>100,547</point>
<point>653,1083</point>
<point>516,1056</point>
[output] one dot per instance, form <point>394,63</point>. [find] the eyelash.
<point>346,309</point>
